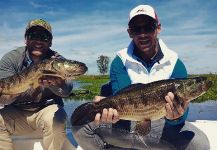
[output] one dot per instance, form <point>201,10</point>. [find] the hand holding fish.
<point>47,81</point>
<point>108,116</point>
<point>174,110</point>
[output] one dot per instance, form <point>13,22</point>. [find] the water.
<point>203,111</point>
<point>69,106</point>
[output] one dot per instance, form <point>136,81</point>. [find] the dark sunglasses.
<point>39,36</point>
<point>142,29</point>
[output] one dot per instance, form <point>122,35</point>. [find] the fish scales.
<point>142,104</point>
<point>28,78</point>
<point>138,102</point>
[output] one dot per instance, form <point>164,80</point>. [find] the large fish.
<point>28,78</point>
<point>139,102</point>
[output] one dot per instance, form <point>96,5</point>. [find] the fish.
<point>139,102</point>
<point>28,78</point>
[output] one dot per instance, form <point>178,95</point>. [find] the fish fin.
<point>83,114</point>
<point>142,128</point>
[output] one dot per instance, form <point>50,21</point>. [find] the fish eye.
<point>177,86</point>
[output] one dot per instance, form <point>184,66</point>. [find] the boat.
<point>34,142</point>
<point>202,115</point>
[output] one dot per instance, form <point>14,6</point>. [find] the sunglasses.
<point>39,36</point>
<point>142,29</point>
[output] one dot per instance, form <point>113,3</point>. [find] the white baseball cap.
<point>143,10</point>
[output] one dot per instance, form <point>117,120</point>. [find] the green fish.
<point>28,78</point>
<point>139,102</point>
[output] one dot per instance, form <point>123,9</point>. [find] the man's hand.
<point>108,115</point>
<point>174,110</point>
<point>47,81</point>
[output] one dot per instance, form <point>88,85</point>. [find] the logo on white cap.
<point>143,10</point>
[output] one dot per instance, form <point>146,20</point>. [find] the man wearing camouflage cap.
<point>40,108</point>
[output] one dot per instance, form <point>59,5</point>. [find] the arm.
<point>179,70</point>
<point>118,75</point>
<point>7,69</point>
<point>176,114</point>
<point>119,79</point>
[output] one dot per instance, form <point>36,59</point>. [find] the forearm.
<point>179,72</point>
<point>118,75</point>
<point>180,120</point>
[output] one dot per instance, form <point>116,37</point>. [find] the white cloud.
<point>37,5</point>
<point>85,33</point>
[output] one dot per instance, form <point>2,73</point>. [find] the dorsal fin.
<point>148,86</point>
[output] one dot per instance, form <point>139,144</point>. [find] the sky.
<point>85,29</point>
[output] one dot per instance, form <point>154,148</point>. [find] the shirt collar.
<point>28,61</point>
<point>149,63</point>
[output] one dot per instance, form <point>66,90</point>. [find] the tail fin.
<point>83,114</point>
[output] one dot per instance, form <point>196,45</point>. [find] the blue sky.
<point>86,29</point>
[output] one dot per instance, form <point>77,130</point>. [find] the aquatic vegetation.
<point>90,87</point>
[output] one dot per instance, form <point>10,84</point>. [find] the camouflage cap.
<point>39,22</point>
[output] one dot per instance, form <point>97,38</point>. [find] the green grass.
<point>90,84</point>
<point>90,87</point>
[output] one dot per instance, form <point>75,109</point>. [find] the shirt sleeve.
<point>179,70</point>
<point>8,65</point>
<point>118,75</point>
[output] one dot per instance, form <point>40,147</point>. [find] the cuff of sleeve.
<point>179,120</point>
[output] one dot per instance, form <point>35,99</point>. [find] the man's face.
<point>38,41</point>
<point>144,32</point>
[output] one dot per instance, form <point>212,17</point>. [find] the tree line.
<point>103,64</point>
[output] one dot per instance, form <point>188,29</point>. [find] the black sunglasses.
<point>142,29</point>
<point>39,36</point>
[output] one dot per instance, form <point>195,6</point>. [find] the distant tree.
<point>103,64</point>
